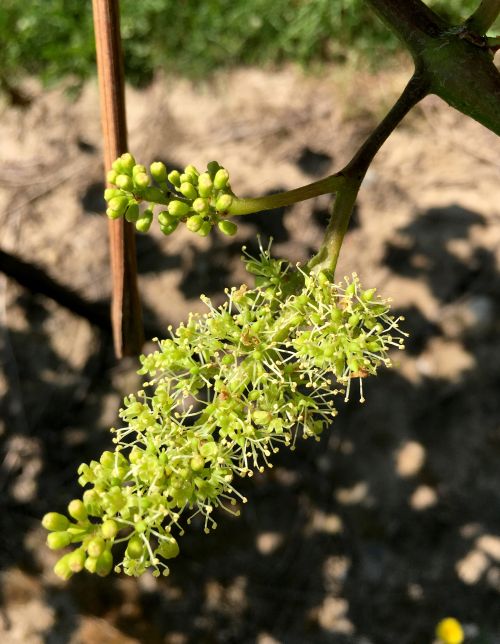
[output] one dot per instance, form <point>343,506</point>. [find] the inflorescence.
<point>200,200</point>
<point>225,392</point>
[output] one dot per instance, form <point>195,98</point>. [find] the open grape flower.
<point>222,395</point>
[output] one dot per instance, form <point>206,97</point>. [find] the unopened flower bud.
<point>158,171</point>
<point>127,162</point>
<point>112,214</point>
<point>118,204</point>
<point>124,182</point>
<point>109,193</point>
<point>197,463</point>
<point>58,540</point>
<point>138,169</point>
<point>132,213</point>
<point>104,563</point>
<point>188,190</point>
<point>224,202</point>
<point>141,180</point>
<point>221,178</point>
<point>62,567</point>
<point>76,509</point>
<point>143,224</point>
<point>175,178</point>
<point>109,529</point>
<point>178,208</point>
<point>91,564</point>
<point>227,227</point>
<point>190,169</point>
<point>205,185</point>
<point>76,560</point>
<point>111,176</point>
<point>96,546</point>
<point>201,205</point>
<point>194,223</point>
<point>166,219</point>
<point>54,521</point>
<point>204,229</point>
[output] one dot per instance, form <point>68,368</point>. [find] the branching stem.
<point>484,16</point>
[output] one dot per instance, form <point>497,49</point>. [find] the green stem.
<point>354,173</point>
<point>484,16</point>
<point>321,187</point>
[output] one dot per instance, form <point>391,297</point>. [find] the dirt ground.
<point>392,522</point>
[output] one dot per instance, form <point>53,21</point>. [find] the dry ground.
<point>391,522</point>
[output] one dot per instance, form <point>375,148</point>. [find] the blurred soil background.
<point>392,521</point>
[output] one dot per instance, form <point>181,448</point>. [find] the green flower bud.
<point>58,540</point>
<point>141,180</point>
<point>76,509</point>
<point>201,205</point>
<point>168,548</point>
<point>117,166</point>
<point>221,178</point>
<point>124,182</point>
<point>62,567</point>
<point>223,203</point>
<point>109,529</point>
<point>143,224</point>
<point>166,219</point>
<point>204,229</point>
<point>127,162</point>
<point>135,547</point>
<point>197,463</point>
<point>186,177</point>
<point>96,546</point>
<point>112,214</point>
<point>188,190</point>
<point>111,176</point>
<point>91,564</point>
<point>158,171</point>
<point>138,169</point>
<point>261,417</point>
<point>213,167</point>
<point>109,193</point>
<point>205,185</point>
<point>190,169</point>
<point>104,563</point>
<point>76,560</point>
<point>175,178</point>
<point>178,208</point>
<point>54,521</point>
<point>132,213</point>
<point>227,227</point>
<point>194,223</point>
<point>168,229</point>
<point>118,204</point>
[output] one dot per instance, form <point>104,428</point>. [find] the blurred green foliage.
<point>53,39</point>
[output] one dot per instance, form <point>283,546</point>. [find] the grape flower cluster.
<point>223,393</point>
<point>199,200</point>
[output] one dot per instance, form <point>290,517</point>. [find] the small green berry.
<point>168,548</point>
<point>197,463</point>
<point>104,563</point>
